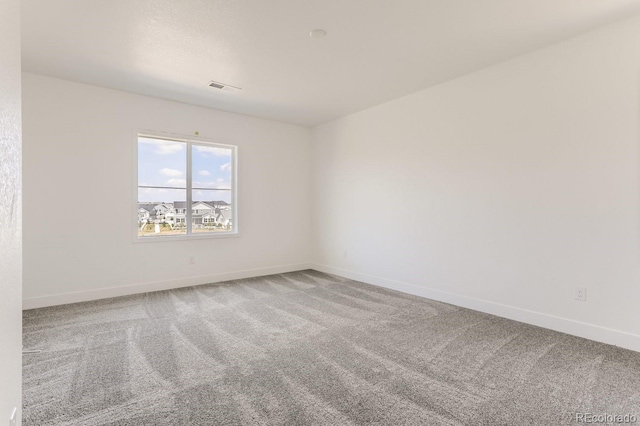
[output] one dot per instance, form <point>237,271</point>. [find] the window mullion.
<point>189,190</point>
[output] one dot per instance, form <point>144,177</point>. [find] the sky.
<point>164,163</point>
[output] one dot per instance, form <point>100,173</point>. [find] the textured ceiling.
<point>374,51</point>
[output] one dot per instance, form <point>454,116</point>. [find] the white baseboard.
<point>104,293</point>
<point>564,325</point>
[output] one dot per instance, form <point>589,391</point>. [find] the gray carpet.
<point>310,348</point>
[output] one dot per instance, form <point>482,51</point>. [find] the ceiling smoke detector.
<point>222,86</point>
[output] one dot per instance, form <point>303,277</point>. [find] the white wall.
<point>79,144</point>
<point>501,191</point>
<point>10,212</point>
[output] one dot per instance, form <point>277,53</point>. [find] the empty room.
<point>339,212</point>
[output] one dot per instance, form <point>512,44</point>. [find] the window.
<point>179,181</point>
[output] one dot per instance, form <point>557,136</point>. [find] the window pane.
<point>161,212</point>
<point>161,163</point>
<point>212,167</point>
<point>212,211</point>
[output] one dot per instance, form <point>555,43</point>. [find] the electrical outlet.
<point>14,417</point>
<point>192,260</point>
<point>581,294</point>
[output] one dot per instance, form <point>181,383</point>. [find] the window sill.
<point>211,236</point>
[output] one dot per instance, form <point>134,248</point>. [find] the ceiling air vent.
<point>224,87</point>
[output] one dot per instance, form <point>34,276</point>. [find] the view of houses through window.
<point>184,187</point>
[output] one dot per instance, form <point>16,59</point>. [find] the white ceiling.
<point>374,51</point>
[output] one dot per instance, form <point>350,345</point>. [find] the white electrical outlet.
<point>14,417</point>
<point>581,294</point>
<point>192,260</point>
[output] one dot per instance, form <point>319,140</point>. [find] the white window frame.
<point>189,141</point>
